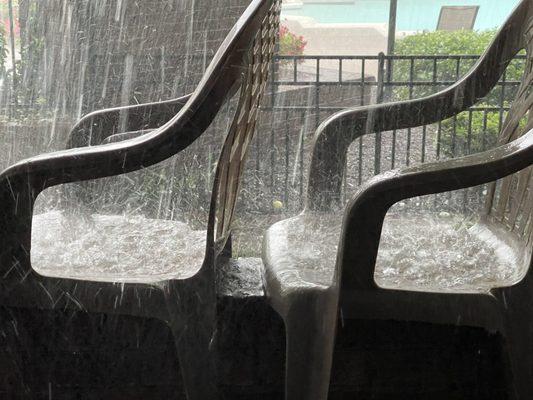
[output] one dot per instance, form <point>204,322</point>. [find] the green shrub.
<point>445,43</point>
<point>470,136</point>
<point>484,133</point>
<point>290,44</point>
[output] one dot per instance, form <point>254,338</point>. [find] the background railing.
<point>306,89</point>
<point>303,92</point>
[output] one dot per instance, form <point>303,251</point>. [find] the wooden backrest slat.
<point>527,210</point>
<point>528,233</point>
<point>518,204</point>
<point>498,213</point>
<point>509,203</point>
<point>242,129</point>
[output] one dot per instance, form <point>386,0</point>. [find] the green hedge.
<point>453,43</point>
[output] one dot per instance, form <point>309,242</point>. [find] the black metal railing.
<point>306,89</point>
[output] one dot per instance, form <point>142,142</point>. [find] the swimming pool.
<point>413,15</point>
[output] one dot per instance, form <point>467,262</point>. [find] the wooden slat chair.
<point>183,297</point>
<point>306,275</point>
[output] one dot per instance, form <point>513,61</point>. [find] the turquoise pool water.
<point>413,15</point>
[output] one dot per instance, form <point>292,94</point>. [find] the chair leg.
<point>310,329</point>
<point>518,345</point>
<point>518,331</point>
<point>192,321</point>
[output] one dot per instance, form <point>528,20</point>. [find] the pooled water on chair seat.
<point>114,248</point>
<point>443,252</point>
<point>437,252</point>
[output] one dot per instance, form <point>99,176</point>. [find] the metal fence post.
<point>379,99</point>
<point>391,38</point>
<point>12,49</point>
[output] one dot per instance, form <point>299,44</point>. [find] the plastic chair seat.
<point>115,248</point>
<point>424,252</point>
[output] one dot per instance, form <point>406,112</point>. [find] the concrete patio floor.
<point>81,356</point>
